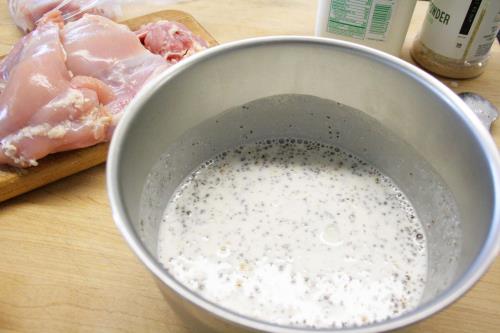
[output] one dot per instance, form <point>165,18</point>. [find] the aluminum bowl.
<point>413,105</point>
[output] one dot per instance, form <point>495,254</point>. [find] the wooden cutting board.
<point>14,181</point>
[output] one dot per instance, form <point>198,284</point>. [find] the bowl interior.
<point>380,109</point>
<point>317,119</point>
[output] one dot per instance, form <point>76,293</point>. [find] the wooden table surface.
<point>65,268</point>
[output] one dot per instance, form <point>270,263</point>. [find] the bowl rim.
<point>479,266</point>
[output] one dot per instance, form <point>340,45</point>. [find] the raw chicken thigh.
<point>97,47</point>
<point>171,40</point>
<point>26,13</point>
<point>43,109</point>
<point>65,87</point>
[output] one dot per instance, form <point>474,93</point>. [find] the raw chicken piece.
<point>79,79</point>
<point>171,40</point>
<point>110,52</point>
<point>29,45</point>
<point>42,108</point>
<point>26,13</point>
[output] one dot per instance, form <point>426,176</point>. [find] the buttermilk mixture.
<point>295,232</point>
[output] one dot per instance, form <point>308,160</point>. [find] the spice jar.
<point>456,37</point>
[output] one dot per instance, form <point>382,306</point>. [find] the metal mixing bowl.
<point>431,121</point>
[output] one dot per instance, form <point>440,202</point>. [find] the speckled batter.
<point>297,233</point>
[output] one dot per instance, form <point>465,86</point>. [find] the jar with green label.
<point>381,24</point>
<point>456,37</point>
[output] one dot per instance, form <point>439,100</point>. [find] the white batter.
<point>296,233</point>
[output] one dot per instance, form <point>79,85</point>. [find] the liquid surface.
<point>297,233</point>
